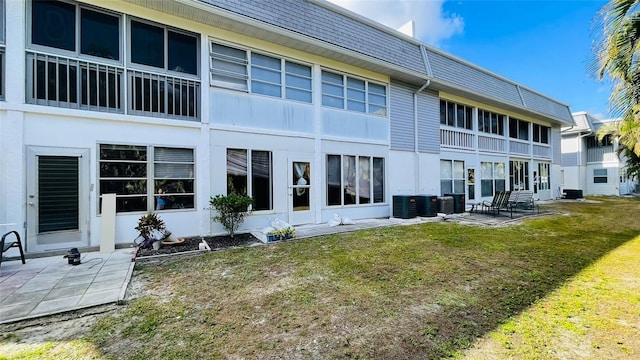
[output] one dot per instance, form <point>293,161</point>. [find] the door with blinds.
<point>57,198</point>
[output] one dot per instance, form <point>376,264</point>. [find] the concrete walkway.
<point>46,286</point>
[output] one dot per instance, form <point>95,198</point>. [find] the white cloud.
<point>431,23</point>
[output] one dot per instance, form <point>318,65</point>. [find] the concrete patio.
<point>49,285</point>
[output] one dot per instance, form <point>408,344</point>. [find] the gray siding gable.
<point>429,122</point>
<point>543,105</point>
<point>321,23</point>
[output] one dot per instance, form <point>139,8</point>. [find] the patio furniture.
<point>7,244</point>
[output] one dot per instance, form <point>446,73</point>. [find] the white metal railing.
<point>518,147</point>
<point>542,151</point>
<point>601,154</point>
<point>490,143</point>
<point>163,96</point>
<point>72,83</point>
<point>456,139</point>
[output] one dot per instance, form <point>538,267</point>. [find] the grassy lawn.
<point>563,286</point>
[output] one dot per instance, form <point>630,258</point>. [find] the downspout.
<point>427,68</point>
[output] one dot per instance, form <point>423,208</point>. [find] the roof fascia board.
<point>297,36</point>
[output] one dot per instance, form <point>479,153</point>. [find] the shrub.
<point>231,210</point>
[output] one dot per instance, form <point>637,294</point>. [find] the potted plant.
<point>152,230</point>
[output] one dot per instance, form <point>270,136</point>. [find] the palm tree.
<point>617,57</point>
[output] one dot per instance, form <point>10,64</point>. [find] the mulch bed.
<point>191,244</point>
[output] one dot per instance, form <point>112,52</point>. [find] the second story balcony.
<point>79,84</point>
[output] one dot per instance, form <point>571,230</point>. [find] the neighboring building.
<point>309,108</point>
<point>591,165</point>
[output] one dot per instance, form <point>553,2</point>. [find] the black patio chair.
<point>6,244</point>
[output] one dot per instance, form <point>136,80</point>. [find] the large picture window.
<point>493,178</point>
<point>249,172</point>
<point>245,70</point>
<point>353,94</point>
<point>146,178</point>
<point>452,177</point>
<point>354,180</point>
<point>456,115</point>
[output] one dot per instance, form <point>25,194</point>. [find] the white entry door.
<point>301,207</point>
<point>57,198</point>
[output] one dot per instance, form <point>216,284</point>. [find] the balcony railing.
<point>541,151</point>
<point>71,83</point>
<point>492,144</point>
<point>64,82</point>
<point>518,147</point>
<point>456,139</point>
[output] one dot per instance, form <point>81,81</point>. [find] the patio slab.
<point>49,285</point>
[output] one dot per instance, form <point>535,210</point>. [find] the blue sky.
<point>545,45</point>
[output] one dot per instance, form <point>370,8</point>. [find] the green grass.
<point>561,286</point>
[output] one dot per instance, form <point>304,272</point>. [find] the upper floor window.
<point>353,94</point>
<point>600,176</point>
<point>541,134</point>
<point>2,21</point>
<point>160,47</point>
<point>59,25</point>
<point>490,122</point>
<point>257,73</point>
<point>593,142</point>
<point>456,115</point>
<point>518,129</point>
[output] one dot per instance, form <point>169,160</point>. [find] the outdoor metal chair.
<point>6,244</point>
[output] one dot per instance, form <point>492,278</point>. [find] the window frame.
<point>488,128</point>
<point>166,29</point>
<point>77,52</point>
<point>516,125</point>
<point>249,168</point>
<point>541,134</point>
<point>368,92</point>
<point>497,183</point>
<point>373,177</point>
<point>450,115</point>
<point>151,194</point>
<point>246,80</point>
<point>455,178</point>
<point>602,177</point>
<point>521,174</point>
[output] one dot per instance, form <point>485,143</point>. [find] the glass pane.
<point>122,170</point>
<point>147,44</point>
<point>236,171</point>
<point>349,180</point>
<point>377,89</point>
<point>445,169</point>
<point>174,186</point>
<point>261,180</point>
<point>451,114</point>
<point>364,180</point>
<point>131,203</point>
<point>460,121</point>
<point>183,53</point>
<point>446,187</point>
<point>173,155</point>
<point>173,171</point>
<point>355,106</point>
<point>499,170</point>
<point>333,180</point>
<point>377,100</point>
<point>513,128</point>
<point>544,135</point>
<point>377,110</point>
<point>328,77</point>
<point>298,82</point>
<point>486,169</point>
<point>443,112</point>
<point>174,202</point>
<point>301,182</point>
<point>458,169</point>
<point>299,95</point>
<point>123,152</point>
<point>378,180</point>
<point>297,69</point>
<point>265,75</point>
<point>458,186</point>
<point>355,84</point>
<point>258,87</point>
<point>486,187</point>
<point>355,95</point>
<point>99,34</point>
<point>523,130</point>
<point>334,90</point>
<point>123,187</point>
<point>53,24</point>
<point>332,101</point>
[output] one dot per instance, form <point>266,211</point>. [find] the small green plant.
<point>286,233</point>
<point>151,228</point>
<point>231,210</point>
